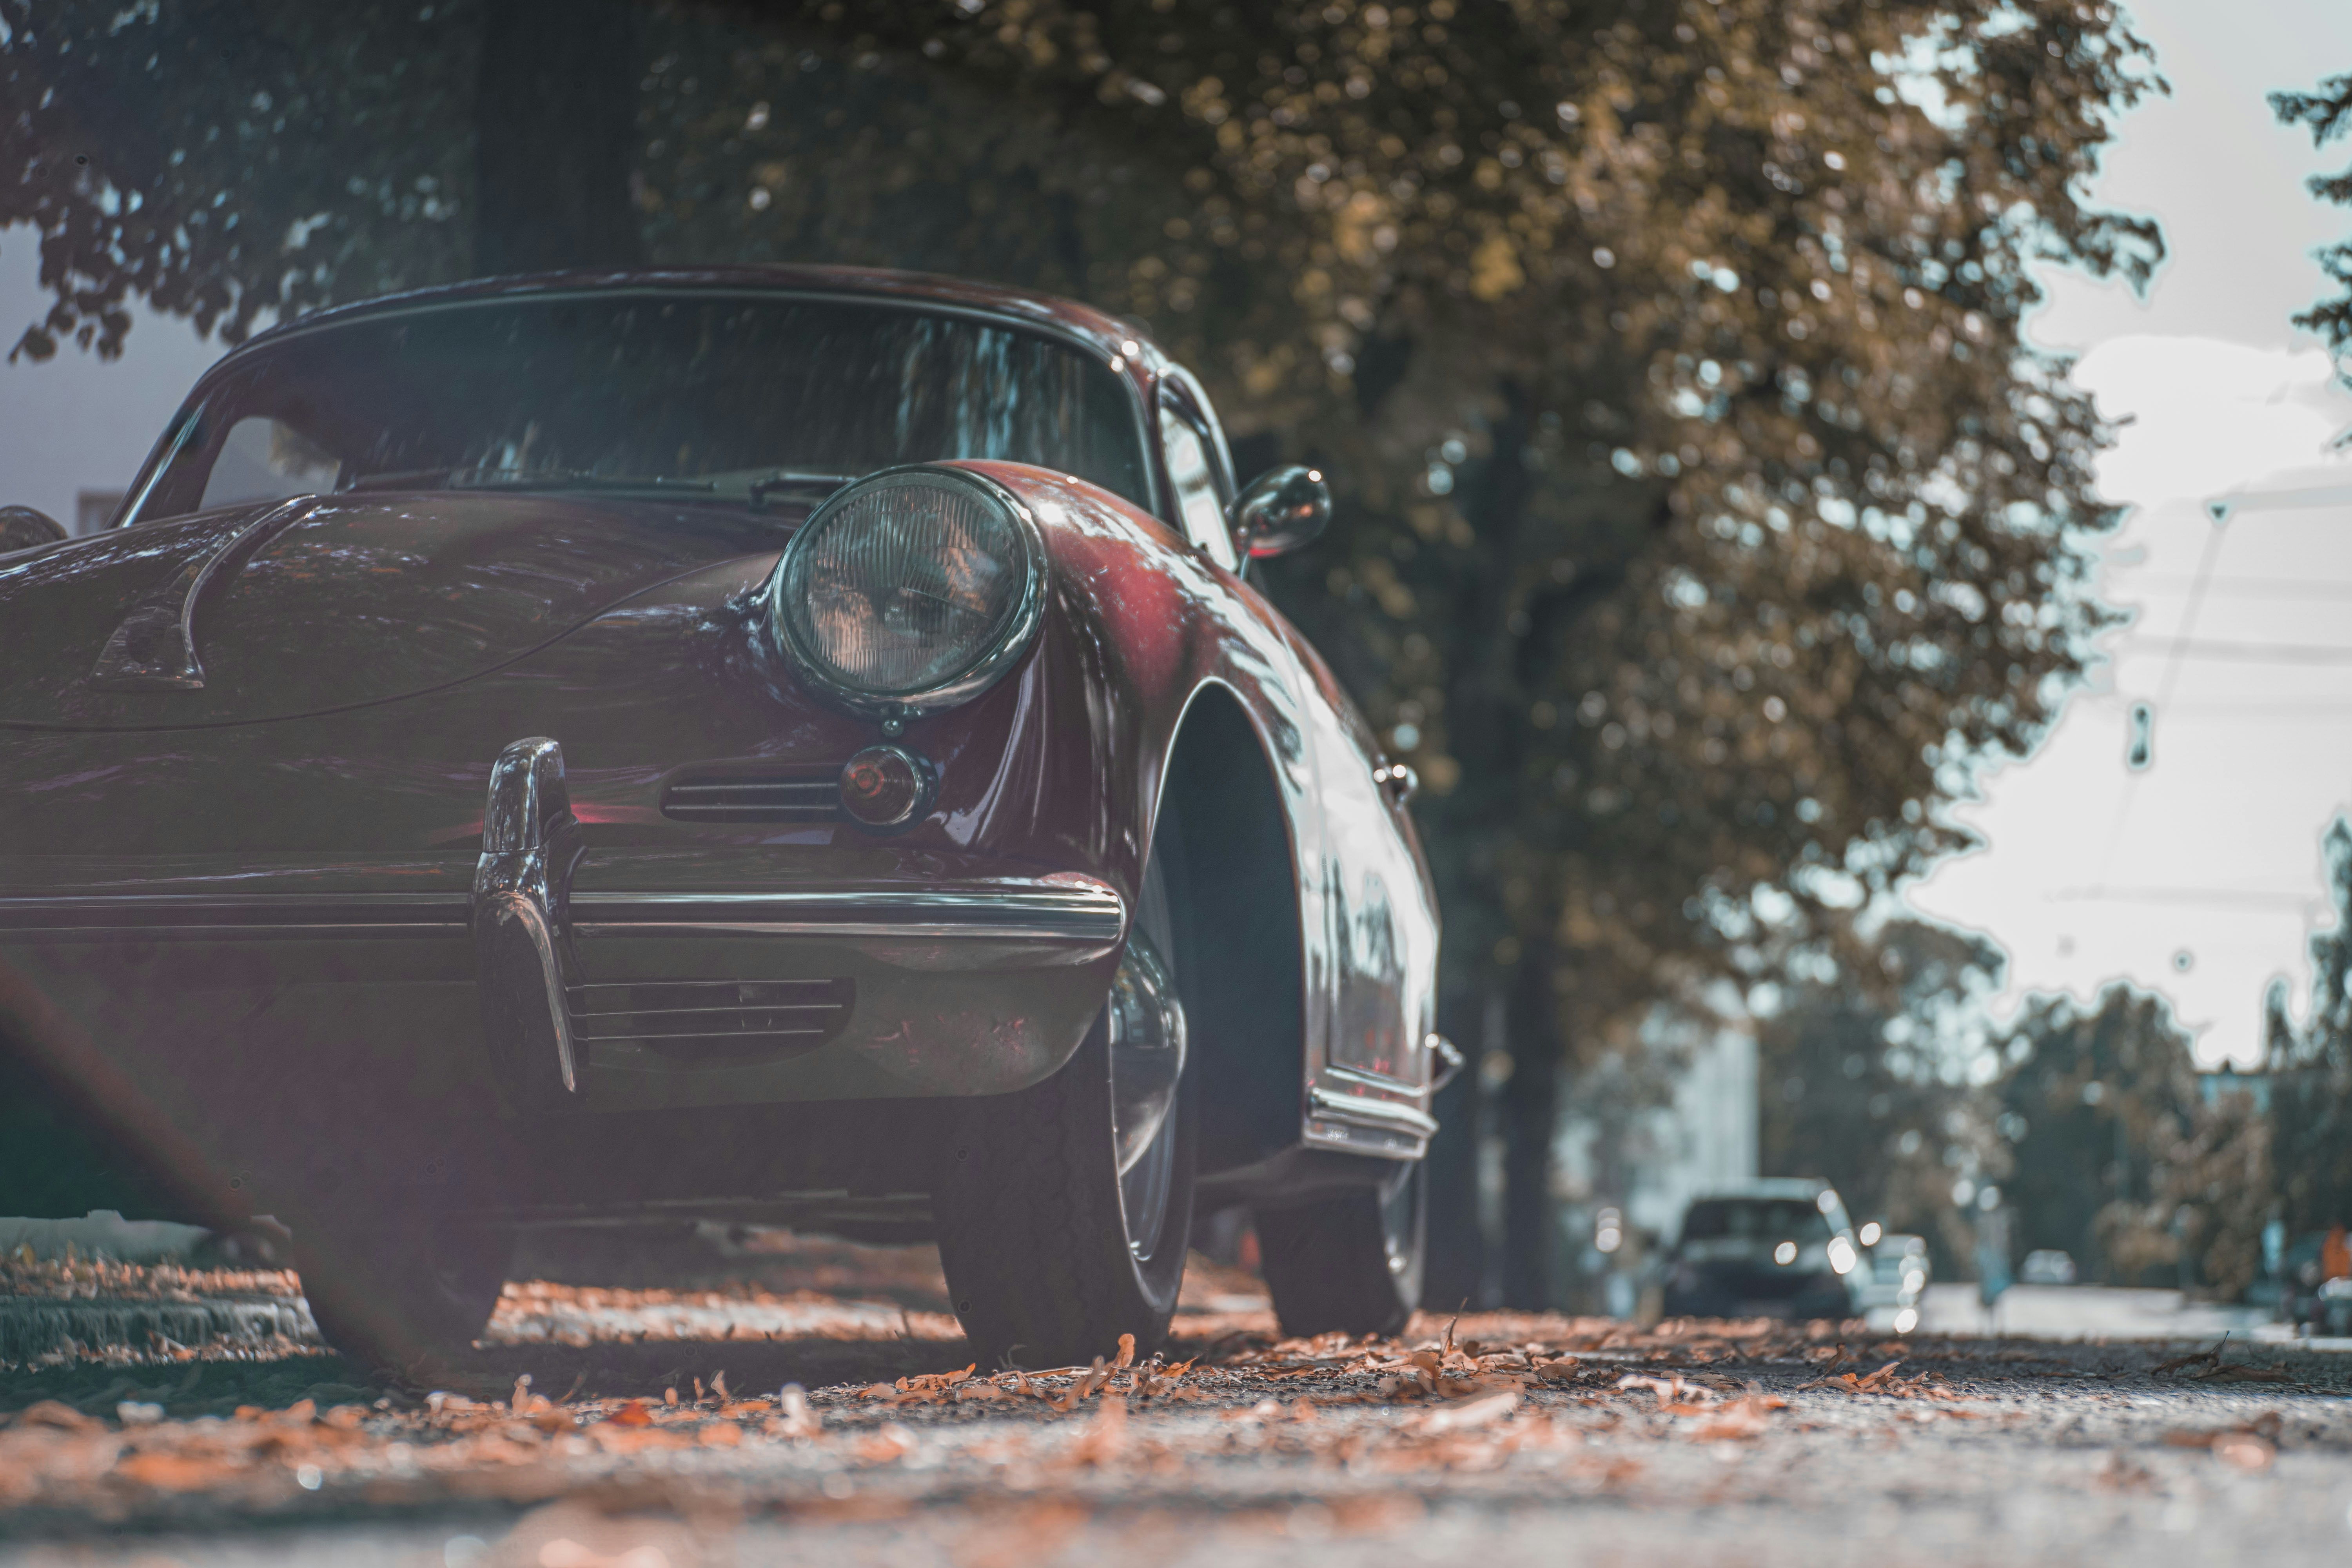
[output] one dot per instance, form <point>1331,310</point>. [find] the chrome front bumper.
<point>1076,919</point>
<point>1081,918</point>
<point>545,975</point>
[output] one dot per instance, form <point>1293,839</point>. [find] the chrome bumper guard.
<point>522,888</point>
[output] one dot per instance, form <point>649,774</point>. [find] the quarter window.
<point>263,460</point>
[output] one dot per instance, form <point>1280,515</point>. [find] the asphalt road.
<point>1530,1439</point>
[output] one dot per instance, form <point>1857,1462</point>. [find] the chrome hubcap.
<point>1399,1215</point>
<point>1147,1063</point>
<point>1147,1051</point>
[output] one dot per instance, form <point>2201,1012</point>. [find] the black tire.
<point>404,1293</point>
<point>1351,1263</point>
<point>1034,1236</point>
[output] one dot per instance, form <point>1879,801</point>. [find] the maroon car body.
<point>247,751</point>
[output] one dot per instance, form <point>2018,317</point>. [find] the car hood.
<point>330,602</point>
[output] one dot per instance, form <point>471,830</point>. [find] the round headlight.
<point>914,586</point>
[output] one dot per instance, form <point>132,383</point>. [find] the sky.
<point>2199,877</point>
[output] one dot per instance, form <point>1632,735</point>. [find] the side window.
<point>261,460</point>
<point>1200,489</point>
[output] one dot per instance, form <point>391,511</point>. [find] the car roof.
<point>1808,1188</point>
<point>1068,319</point>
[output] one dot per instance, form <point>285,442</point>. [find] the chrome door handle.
<point>1450,1061</point>
<point>1398,779</point>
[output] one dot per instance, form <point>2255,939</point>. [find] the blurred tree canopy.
<point>2091,1124</point>
<point>1705,517</point>
<point>2120,1157</point>
<point>1881,1089</point>
<point>2328,113</point>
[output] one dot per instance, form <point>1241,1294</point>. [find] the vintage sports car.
<point>787,746</point>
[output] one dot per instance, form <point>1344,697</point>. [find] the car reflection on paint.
<point>1770,1248</point>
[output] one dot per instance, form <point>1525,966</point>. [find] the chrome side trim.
<point>1365,1111</point>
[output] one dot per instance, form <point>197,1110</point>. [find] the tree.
<point>2328,113</point>
<point>2121,1158</point>
<point>1706,514</point>
<point>229,163</point>
<point>1876,1084</point>
<point>2311,1064</point>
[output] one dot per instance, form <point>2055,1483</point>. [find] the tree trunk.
<point>555,116</point>
<point>1530,1111</point>
<point>1455,1267</point>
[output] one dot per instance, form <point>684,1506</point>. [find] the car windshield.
<point>1762,1219</point>
<point>724,397</point>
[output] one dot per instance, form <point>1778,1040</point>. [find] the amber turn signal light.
<point>884,786</point>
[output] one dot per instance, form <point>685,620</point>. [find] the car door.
<point>1371,926</point>
<point>1380,927</point>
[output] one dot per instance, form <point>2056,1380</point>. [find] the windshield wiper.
<point>790,481</point>
<point>569,479</point>
<point>526,478</point>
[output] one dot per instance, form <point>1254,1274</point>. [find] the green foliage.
<point>2328,113</point>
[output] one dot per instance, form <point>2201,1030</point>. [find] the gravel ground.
<point>657,1430</point>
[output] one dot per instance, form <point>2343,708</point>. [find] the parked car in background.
<point>789,746</point>
<point>2313,1299</point>
<point>2046,1266</point>
<point>1893,1277</point>
<point>1775,1248</point>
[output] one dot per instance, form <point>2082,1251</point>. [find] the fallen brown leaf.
<point>1468,1413</point>
<point>1741,1418</point>
<point>174,1472</point>
<point>2244,1450</point>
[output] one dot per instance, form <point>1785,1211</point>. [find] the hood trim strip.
<point>154,647</point>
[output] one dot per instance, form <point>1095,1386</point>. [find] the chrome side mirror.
<point>25,528</point>
<point>1281,510</point>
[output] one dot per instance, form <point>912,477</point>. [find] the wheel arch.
<point>1245,981</point>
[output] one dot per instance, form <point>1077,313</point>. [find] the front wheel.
<point>1064,1211</point>
<point>403,1292</point>
<point>1351,1262</point>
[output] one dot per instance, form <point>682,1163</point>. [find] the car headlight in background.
<point>913,588</point>
<point>1843,1256</point>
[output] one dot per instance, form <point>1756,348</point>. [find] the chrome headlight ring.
<point>979,667</point>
